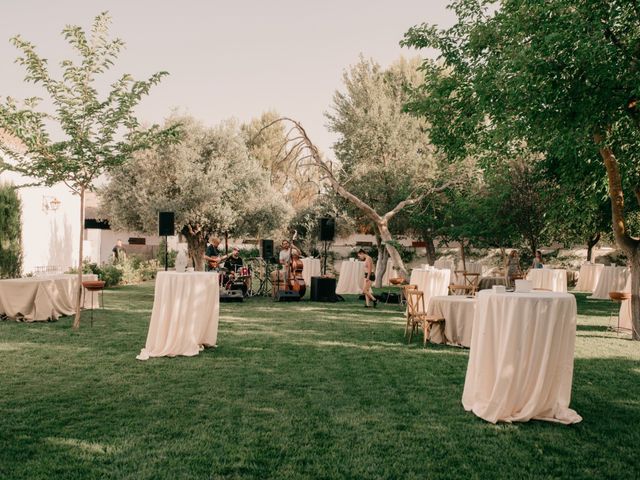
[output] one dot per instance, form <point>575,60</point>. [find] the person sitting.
<point>537,260</point>
<point>234,261</point>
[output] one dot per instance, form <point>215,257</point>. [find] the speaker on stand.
<point>166,228</point>
<point>327,234</point>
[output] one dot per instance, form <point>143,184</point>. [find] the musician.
<point>212,254</point>
<point>286,250</point>
<point>234,262</point>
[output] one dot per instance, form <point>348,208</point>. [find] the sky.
<point>227,59</point>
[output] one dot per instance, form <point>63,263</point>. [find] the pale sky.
<point>227,59</point>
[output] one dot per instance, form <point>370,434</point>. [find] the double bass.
<point>295,281</point>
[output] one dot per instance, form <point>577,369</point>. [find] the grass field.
<point>292,391</point>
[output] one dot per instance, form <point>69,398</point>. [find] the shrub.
<point>10,232</point>
<point>171,257</point>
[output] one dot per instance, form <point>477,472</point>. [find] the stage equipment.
<point>287,296</point>
<point>327,229</point>
<point>323,289</point>
<point>231,296</point>
<point>166,227</point>
<point>266,250</point>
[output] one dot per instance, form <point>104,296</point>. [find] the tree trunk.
<point>631,246</point>
<point>396,259</point>
<point>76,321</point>
<point>462,257</point>
<point>381,266</point>
<point>196,246</point>
<point>592,242</point>
<point>429,247</point>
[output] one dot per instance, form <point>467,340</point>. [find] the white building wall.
<point>49,237</point>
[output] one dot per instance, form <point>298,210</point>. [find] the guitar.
<point>214,262</point>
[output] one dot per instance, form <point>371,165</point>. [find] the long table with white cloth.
<point>521,358</point>
<point>38,299</point>
<point>458,312</point>
<point>554,279</point>
<point>185,314</point>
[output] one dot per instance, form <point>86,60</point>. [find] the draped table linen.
<point>458,312</point>
<point>521,358</point>
<point>624,315</point>
<point>38,299</point>
<point>310,268</point>
<point>554,279</point>
<point>588,276</point>
<point>185,314</point>
<point>351,277</point>
<point>612,279</point>
<point>471,267</point>
<point>431,281</point>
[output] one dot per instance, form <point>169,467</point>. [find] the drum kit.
<point>257,278</point>
<point>238,279</point>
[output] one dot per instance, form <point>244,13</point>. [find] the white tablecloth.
<point>389,273</point>
<point>612,279</point>
<point>521,359</point>
<point>472,267</point>
<point>311,268</point>
<point>34,299</point>
<point>624,314</point>
<point>554,279</point>
<point>458,312</point>
<point>432,282</point>
<point>185,314</point>
<point>351,277</point>
<point>588,276</point>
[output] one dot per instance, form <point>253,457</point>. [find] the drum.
<point>244,272</point>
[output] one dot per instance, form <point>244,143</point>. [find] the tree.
<point>207,179</point>
<point>560,75</point>
<point>386,158</point>
<point>299,183</point>
<point>10,232</point>
<point>94,134</point>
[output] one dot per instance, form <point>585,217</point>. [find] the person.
<point>212,254</point>
<point>234,262</point>
<point>369,277</point>
<point>119,254</point>
<point>284,258</point>
<point>537,260</point>
<point>513,267</point>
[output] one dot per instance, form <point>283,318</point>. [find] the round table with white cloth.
<point>469,267</point>
<point>457,311</point>
<point>432,282</point>
<point>185,314</point>
<point>624,315</point>
<point>351,277</point>
<point>37,299</point>
<point>588,276</point>
<point>554,279</point>
<point>310,268</point>
<point>521,358</point>
<point>389,273</point>
<point>612,279</point>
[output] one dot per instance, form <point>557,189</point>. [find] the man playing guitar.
<point>212,254</point>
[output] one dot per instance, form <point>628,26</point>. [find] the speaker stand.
<point>324,258</point>
<point>166,253</point>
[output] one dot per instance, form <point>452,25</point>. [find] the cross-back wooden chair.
<point>468,286</point>
<point>418,318</point>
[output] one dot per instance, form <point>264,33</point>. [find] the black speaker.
<point>231,296</point>
<point>323,289</point>
<point>166,224</point>
<point>287,296</point>
<point>266,250</point>
<point>327,229</point>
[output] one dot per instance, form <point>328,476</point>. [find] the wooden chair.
<point>469,285</point>
<point>403,301</point>
<point>417,317</point>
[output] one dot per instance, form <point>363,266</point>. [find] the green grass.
<point>292,391</point>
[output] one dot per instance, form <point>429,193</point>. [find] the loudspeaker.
<point>327,229</point>
<point>166,224</point>
<point>231,296</point>
<point>287,296</point>
<point>323,289</point>
<point>266,250</point>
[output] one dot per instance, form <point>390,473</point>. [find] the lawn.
<point>302,390</point>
